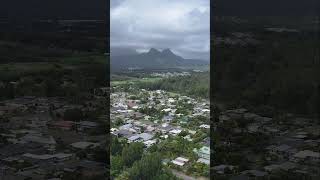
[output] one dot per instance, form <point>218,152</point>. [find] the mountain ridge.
<point>153,59</point>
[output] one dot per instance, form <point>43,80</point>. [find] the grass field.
<point>15,70</point>
<point>135,80</point>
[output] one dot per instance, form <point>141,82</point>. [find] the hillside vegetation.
<point>279,73</point>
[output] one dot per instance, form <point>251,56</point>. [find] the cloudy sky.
<point>181,25</point>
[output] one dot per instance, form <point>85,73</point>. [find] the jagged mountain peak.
<point>154,51</point>
<point>167,51</point>
<point>153,59</point>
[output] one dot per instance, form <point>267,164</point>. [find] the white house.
<point>180,161</point>
<point>205,126</point>
<point>149,143</point>
<point>175,132</point>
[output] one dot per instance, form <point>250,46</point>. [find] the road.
<point>186,177</point>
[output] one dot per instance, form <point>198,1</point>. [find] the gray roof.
<point>307,153</point>
<point>126,126</point>
<point>146,136</point>
<point>288,165</point>
<point>255,173</point>
<point>282,147</point>
<point>134,137</point>
<point>125,133</point>
<point>88,123</point>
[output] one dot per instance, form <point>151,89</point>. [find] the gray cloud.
<point>182,26</point>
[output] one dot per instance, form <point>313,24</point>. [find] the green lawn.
<point>17,69</point>
<point>135,80</point>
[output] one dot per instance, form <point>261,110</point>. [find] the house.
<point>119,106</point>
<point>167,118</point>
<point>187,137</point>
<point>179,114</point>
<point>150,128</point>
<point>166,110</point>
<point>221,168</point>
<point>250,116</point>
<point>134,138</point>
<point>63,125</point>
<point>180,161</point>
<point>192,132</point>
<point>272,168</point>
<point>205,110</point>
<point>124,133</point>
<point>149,143</point>
<point>271,130</point>
<point>175,132</point>
<point>54,157</point>
<point>286,166</point>
<point>85,125</point>
<point>171,100</point>
<point>300,136</point>
<point>131,103</point>
<point>205,126</point>
<point>204,161</point>
<point>125,127</point>
<point>307,155</point>
<point>253,127</point>
<point>84,145</point>
<point>203,152</point>
<point>137,115</point>
<point>282,150</point>
<point>49,140</point>
<point>146,136</point>
<point>135,107</point>
<point>140,137</point>
<point>114,131</point>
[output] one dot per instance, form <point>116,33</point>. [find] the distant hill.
<point>154,59</point>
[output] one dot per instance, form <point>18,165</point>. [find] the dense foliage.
<point>51,79</point>
<point>280,72</point>
<point>129,162</point>
<point>196,85</point>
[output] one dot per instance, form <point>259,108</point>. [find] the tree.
<point>147,168</point>
<point>132,153</point>
<point>116,146</point>
<point>116,165</point>
<point>118,122</point>
<point>183,133</point>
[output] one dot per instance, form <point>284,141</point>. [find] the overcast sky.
<point>181,25</point>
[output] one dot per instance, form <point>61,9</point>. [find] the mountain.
<point>153,59</point>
